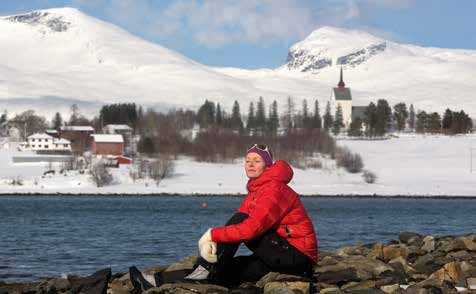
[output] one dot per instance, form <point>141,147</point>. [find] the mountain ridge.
<point>67,54</point>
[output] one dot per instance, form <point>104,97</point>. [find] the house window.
<point>56,145</point>
<point>33,146</point>
<point>47,146</point>
<point>65,145</point>
<point>39,146</point>
<point>33,140</point>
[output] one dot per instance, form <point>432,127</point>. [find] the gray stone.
<point>186,263</point>
<point>407,237</point>
<point>287,287</point>
<point>187,288</point>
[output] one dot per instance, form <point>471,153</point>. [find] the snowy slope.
<point>63,56</point>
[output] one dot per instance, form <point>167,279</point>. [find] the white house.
<point>37,142</point>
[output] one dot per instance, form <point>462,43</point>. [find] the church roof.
<point>343,94</point>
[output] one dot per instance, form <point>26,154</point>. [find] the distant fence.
<point>34,159</point>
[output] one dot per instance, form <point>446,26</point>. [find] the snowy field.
<point>408,166</point>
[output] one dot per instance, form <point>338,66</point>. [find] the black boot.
<point>140,284</point>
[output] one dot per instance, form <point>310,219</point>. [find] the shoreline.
<point>339,196</point>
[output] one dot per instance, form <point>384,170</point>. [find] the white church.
<point>343,97</point>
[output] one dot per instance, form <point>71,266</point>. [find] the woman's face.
<point>254,165</point>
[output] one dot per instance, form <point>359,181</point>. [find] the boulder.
<point>186,263</point>
<point>393,251</point>
<point>453,272</point>
<point>278,277</point>
<point>428,244</point>
<point>377,251</point>
<point>410,238</point>
<point>187,288</point>
<point>359,285</point>
<point>287,287</point>
<point>392,289</point>
<point>471,283</point>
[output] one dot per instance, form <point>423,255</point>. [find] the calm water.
<point>49,236</point>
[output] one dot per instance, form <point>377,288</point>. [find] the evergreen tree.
<point>434,122</point>
<point>447,120</point>
<point>328,119</point>
<point>411,117</point>
<point>206,114</point>
<point>338,121</point>
<point>57,121</point>
<point>236,122</point>
<point>401,114</point>
<point>316,118</point>
<point>3,118</point>
<point>73,119</point>
<point>384,116</point>
<point>421,122</point>
<point>371,120</point>
<point>288,119</point>
<point>260,118</point>
<point>219,116</point>
<point>250,123</point>
<point>273,121</point>
<point>355,128</point>
<point>306,120</point>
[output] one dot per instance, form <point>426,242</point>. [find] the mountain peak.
<point>55,19</point>
<point>330,46</point>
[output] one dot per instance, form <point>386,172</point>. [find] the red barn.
<point>107,144</point>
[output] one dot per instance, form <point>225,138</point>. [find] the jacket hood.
<point>280,171</point>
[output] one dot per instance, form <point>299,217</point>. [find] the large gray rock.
<point>186,263</point>
<point>287,287</point>
<point>410,238</point>
<point>187,288</point>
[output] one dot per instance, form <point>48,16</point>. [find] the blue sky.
<point>258,33</point>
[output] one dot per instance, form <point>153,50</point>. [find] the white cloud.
<point>216,23</point>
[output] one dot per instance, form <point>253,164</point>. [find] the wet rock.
<point>339,276</point>
<point>428,264</point>
<point>392,289</point>
<point>393,251</point>
<point>452,272</point>
<point>187,288</point>
<point>428,244</point>
<point>358,285</point>
<point>471,283</point>
<point>287,287</point>
<point>278,277</point>
<point>186,263</point>
<point>409,237</point>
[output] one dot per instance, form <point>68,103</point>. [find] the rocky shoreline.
<point>413,264</point>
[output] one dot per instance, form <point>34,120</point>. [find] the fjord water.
<point>44,236</point>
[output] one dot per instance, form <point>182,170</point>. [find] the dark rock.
<point>427,264</point>
<point>339,277</point>
<point>188,288</point>
<point>406,237</point>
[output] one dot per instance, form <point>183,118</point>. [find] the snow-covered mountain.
<point>58,57</point>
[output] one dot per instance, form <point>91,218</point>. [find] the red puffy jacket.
<point>270,203</point>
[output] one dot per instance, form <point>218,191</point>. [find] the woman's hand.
<point>207,247</point>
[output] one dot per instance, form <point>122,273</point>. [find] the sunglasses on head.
<point>260,147</point>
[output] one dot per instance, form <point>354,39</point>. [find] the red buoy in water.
<point>204,204</point>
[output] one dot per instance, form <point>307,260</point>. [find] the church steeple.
<point>341,83</point>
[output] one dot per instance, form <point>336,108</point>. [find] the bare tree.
<point>100,174</point>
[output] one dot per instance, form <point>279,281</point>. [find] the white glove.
<point>207,247</point>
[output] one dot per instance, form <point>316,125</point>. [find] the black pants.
<point>271,253</point>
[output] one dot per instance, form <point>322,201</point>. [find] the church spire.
<point>341,83</point>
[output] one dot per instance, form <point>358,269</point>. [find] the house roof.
<point>342,94</point>
<point>119,127</point>
<point>101,138</point>
<point>78,128</point>
<point>40,136</point>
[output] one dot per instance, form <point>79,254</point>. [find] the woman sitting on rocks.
<point>271,221</point>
